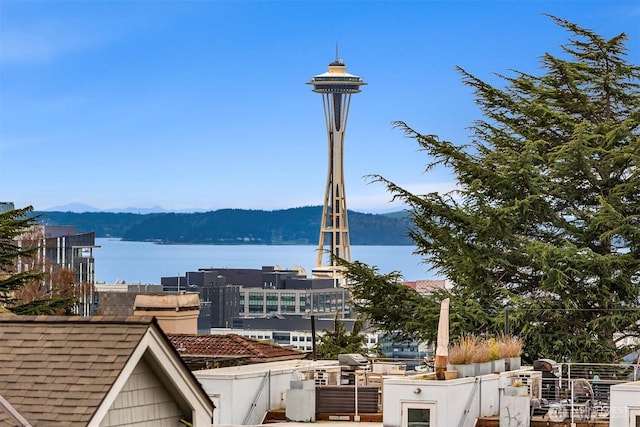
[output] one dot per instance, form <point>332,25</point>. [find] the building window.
<point>272,302</point>
<point>256,302</point>
<point>318,303</point>
<point>418,414</point>
<point>288,302</point>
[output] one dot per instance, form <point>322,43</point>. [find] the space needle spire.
<point>336,87</point>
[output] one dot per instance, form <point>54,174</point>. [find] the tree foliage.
<point>545,221</point>
<point>14,223</point>
<point>21,276</point>
<point>340,341</point>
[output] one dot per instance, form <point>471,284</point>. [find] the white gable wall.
<point>446,401</point>
<point>624,407</point>
<point>143,402</point>
<point>156,352</point>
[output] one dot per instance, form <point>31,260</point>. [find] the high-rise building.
<point>6,206</point>
<point>336,87</point>
<point>61,248</point>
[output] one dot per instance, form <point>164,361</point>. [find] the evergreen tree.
<point>339,341</point>
<point>545,222</point>
<point>13,224</point>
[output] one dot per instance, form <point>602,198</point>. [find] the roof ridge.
<point>142,320</point>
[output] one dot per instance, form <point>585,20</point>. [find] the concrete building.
<point>228,293</point>
<point>244,394</point>
<point>6,206</point>
<point>326,301</point>
<point>316,392</point>
<point>62,249</point>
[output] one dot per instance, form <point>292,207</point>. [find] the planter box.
<point>476,369</point>
<point>465,371</point>
<point>498,365</point>
<point>450,375</point>
<point>512,363</point>
<point>483,368</point>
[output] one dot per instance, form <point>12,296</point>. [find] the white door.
<point>418,414</point>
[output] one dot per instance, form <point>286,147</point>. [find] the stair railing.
<point>266,380</point>
<point>467,408</point>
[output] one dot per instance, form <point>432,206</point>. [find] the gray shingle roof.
<point>55,371</point>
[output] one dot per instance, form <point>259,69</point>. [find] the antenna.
<point>337,55</point>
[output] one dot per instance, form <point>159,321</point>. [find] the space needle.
<point>336,87</point>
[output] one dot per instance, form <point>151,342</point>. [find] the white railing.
<point>581,391</point>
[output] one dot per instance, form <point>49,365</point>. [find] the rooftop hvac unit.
<point>353,361</point>
<point>533,381</point>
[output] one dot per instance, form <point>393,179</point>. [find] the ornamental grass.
<point>463,351</point>
<point>509,346</point>
<point>472,349</point>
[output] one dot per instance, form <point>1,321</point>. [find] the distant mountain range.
<point>232,226</point>
<point>82,208</point>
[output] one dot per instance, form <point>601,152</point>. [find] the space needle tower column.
<point>336,87</point>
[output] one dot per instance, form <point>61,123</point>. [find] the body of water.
<point>143,262</point>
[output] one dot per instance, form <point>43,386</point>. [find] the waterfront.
<point>144,262</point>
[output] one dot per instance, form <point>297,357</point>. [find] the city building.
<point>336,87</point>
<point>6,206</point>
<point>295,331</point>
<point>327,301</point>
<point>62,249</point>
<point>228,293</point>
<point>118,299</point>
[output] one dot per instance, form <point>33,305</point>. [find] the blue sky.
<point>203,104</point>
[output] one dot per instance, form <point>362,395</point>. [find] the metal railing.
<point>581,391</point>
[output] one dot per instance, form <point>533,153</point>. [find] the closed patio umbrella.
<point>442,344</point>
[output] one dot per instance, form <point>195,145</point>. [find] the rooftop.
<point>57,370</point>
<point>229,345</point>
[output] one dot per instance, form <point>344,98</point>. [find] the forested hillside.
<point>105,224</point>
<point>233,226</point>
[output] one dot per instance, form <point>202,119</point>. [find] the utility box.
<point>301,401</point>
